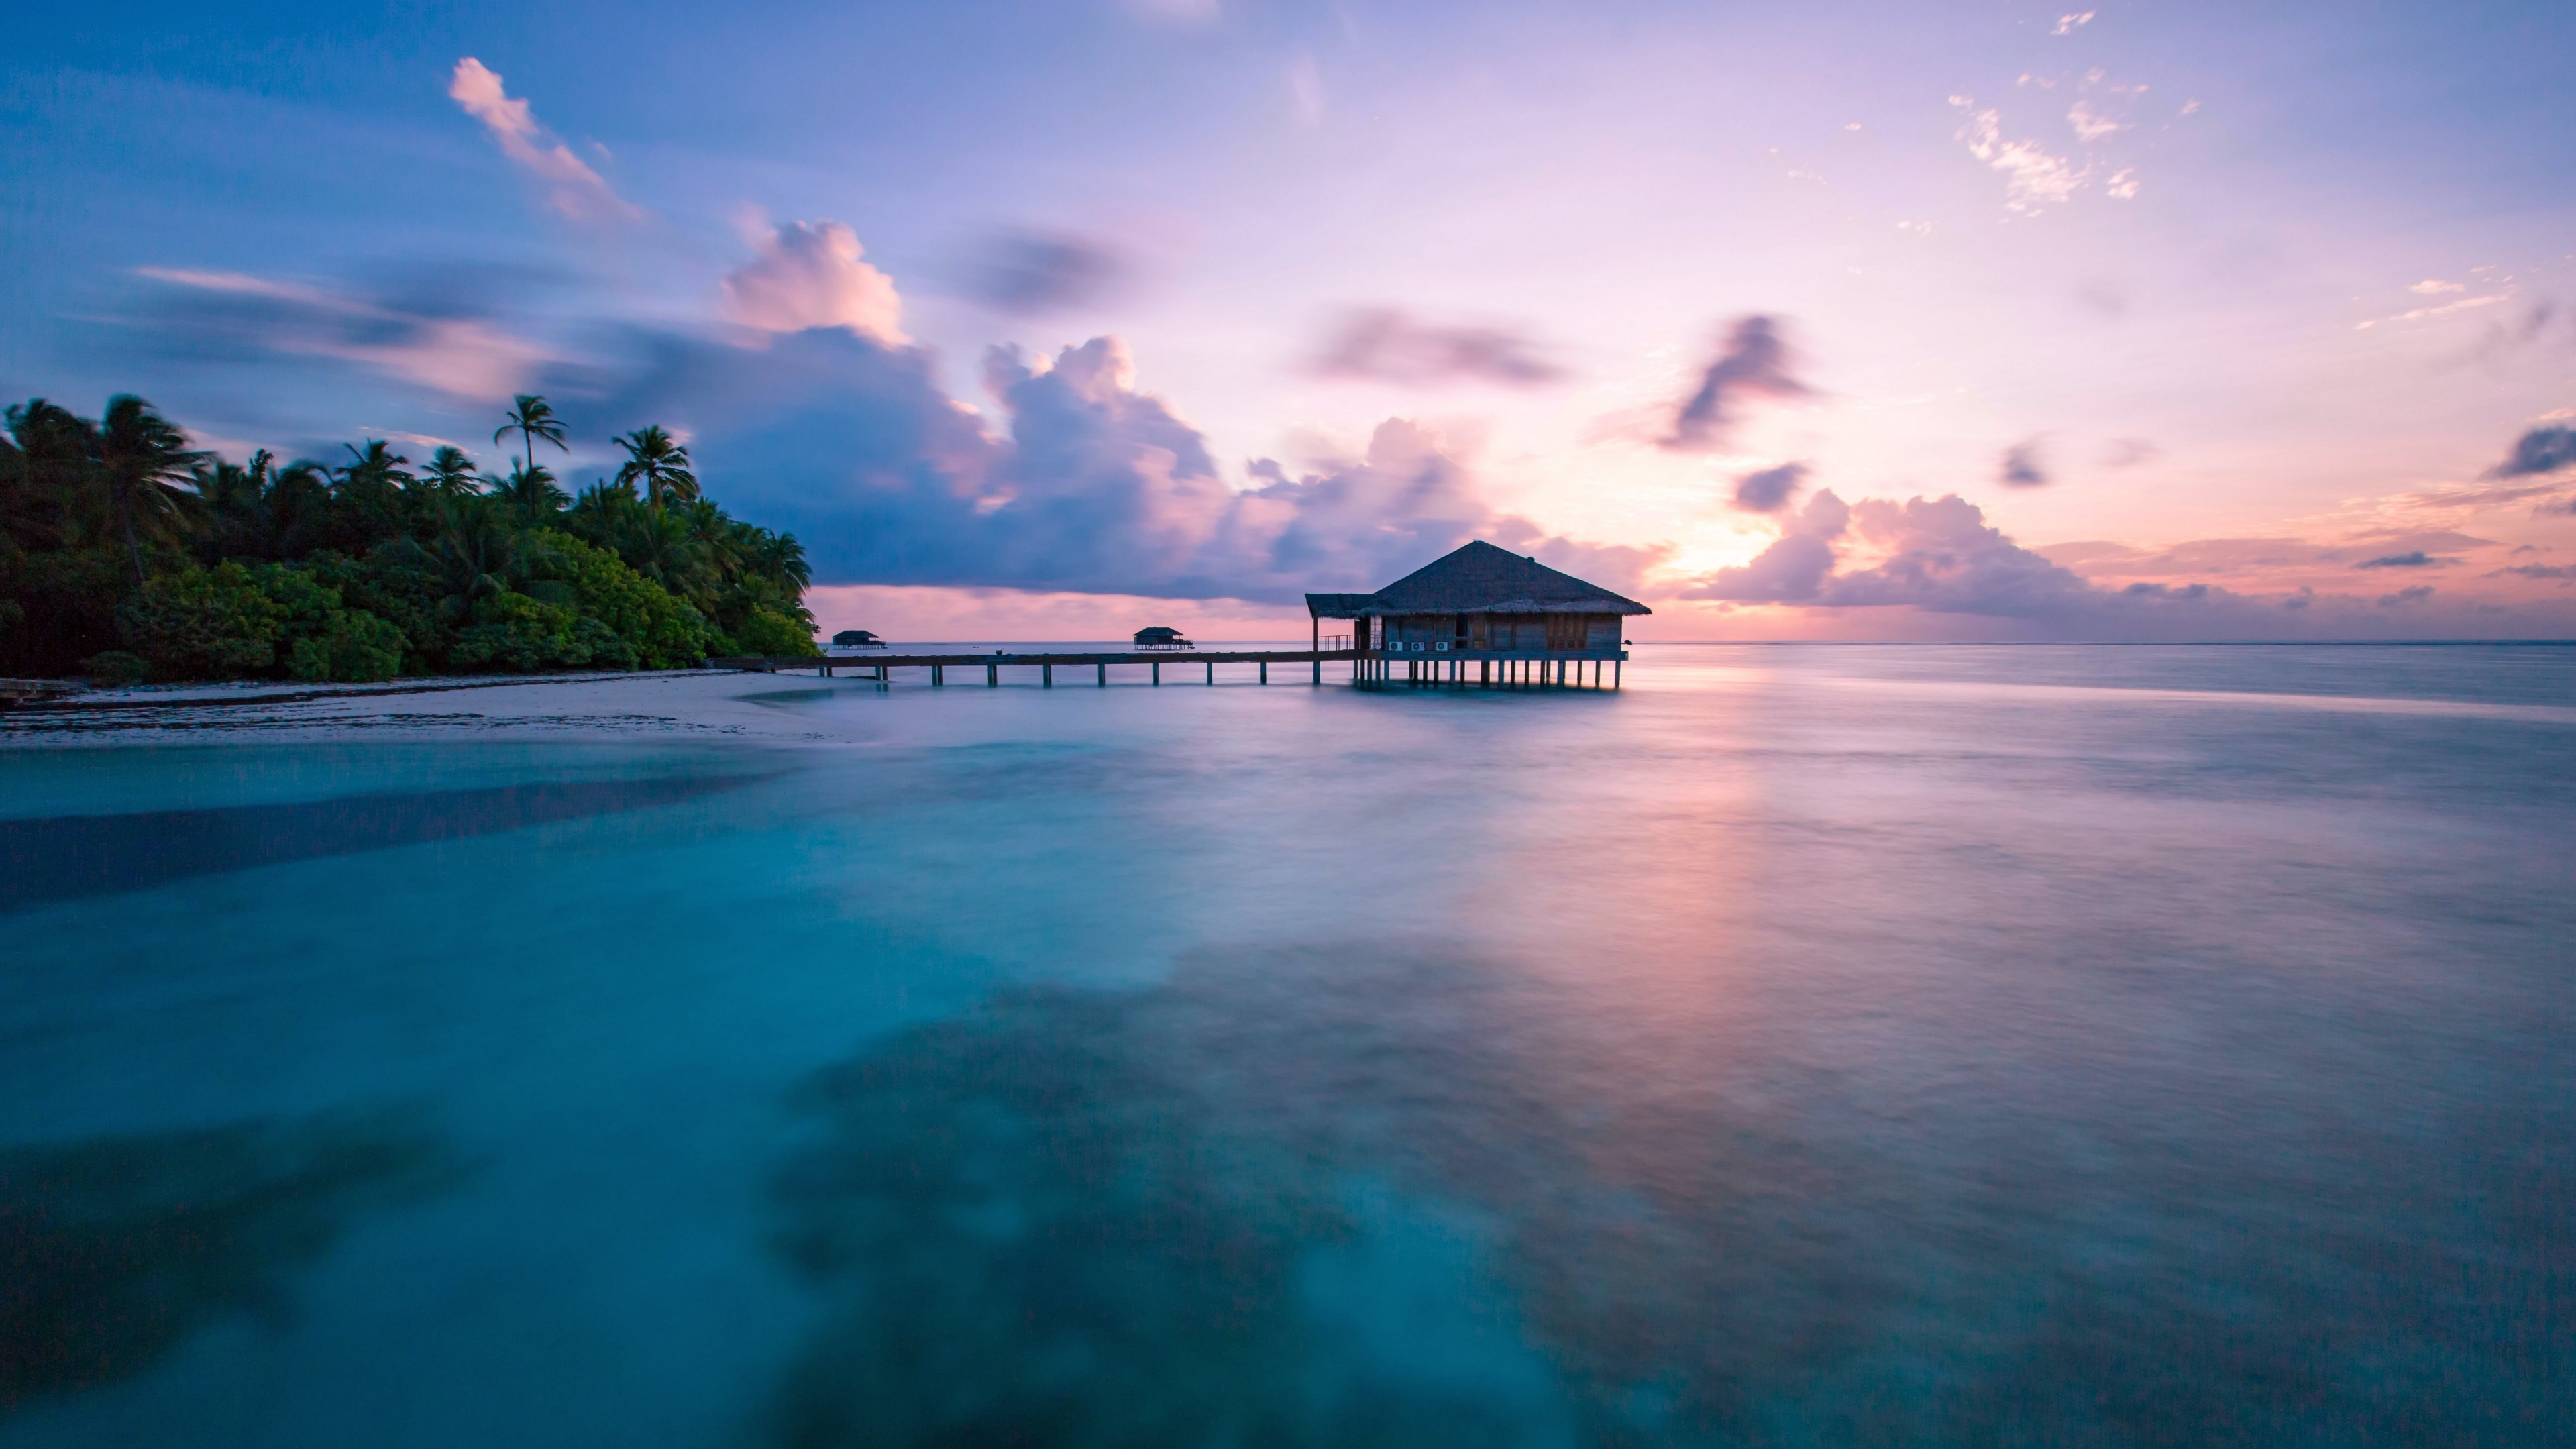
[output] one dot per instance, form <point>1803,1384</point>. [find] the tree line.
<point>127,554</point>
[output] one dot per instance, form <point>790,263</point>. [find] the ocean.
<point>1802,1045</point>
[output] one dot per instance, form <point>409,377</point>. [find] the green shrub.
<point>233,620</point>
<point>766,631</point>
<point>658,630</point>
<point>352,647</point>
<point>512,631</point>
<point>200,623</point>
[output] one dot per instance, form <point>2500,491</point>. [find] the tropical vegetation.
<point>127,554</point>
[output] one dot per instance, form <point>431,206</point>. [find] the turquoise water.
<point>1802,1046</point>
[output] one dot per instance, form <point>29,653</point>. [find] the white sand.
<point>702,703</point>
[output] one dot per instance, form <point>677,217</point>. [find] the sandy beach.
<point>684,703</point>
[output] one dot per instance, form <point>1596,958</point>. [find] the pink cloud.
<point>571,187</point>
<point>809,274</point>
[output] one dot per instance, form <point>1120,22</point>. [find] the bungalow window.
<point>1565,632</point>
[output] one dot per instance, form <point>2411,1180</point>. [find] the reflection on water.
<point>115,1249</point>
<point>1163,1217</point>
<point>66,857</point>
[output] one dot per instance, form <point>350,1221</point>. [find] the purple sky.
<point>1869,321</point>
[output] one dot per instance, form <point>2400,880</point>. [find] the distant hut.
<point>857,639</point>
<point>1161,636</point>
<point>1482,616</point>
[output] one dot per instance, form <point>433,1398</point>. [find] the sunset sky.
<point>1047,320</point>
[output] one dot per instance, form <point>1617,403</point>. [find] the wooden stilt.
<point>1211,673</point>
<point>1614,673</point>
<point>1046,676</point>
<point>992,676</point>
<point>1104,676</point>
<point>936,681</point>
<point>1265,671</point>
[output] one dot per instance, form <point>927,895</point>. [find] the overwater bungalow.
<point>857,639</point>
<point>1161,636</point>
<point>1483,617</point>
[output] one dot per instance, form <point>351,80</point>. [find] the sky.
<point>1049,320</point>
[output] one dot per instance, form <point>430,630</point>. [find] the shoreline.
<point>700,703</point>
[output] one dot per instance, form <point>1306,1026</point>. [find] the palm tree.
<point>144,461</point>
<point>531,496</point>
<point>50,451</point>
<point>451,473</point>
<point>660,464</point>
<point>375,496</point>
<point>235,497</point>
<point>531,419</point>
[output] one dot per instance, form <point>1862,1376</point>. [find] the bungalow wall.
<point>1513,633</point>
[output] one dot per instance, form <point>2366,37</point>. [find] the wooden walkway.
<point>1368,671</point>
<point>880,666</point>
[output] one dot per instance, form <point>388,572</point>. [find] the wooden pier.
<point>1203,661</point>
<point>1370,669</point>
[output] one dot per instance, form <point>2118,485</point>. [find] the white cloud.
<point>2435,286</point>
<point>2032,176</point>
<point>2091,125</point>
<point>2428,314</point>
<point>571,187</point>
<point>809,274</point>
<point>2069,24</point>
<point>2123,185</point>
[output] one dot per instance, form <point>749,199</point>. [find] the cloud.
<point>2129,452</point>
<point>2021,467</point>
<point>1026,273</point>
<point>2036,178</point>
<point>1941,556</point>
<point>430,330</point>
<point>1385,345</point>
<point>2541,450</point>
<point>1793,568</point>
<point>2447,309</point>
<point>1765,491</point>
<point>809,274</point>
<point>2539,571</point>
<point>571,187</point>
<point>2069,24</point>
<point>2435,286</point>
<point>2033,178</point>
<point>1091,485</point>
<point>2418,559</point>
<point>2091,125</point>
<point>1754,364</point>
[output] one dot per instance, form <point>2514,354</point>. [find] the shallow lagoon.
<point>1803,1045</point>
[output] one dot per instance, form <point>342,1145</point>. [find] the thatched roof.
<point>1477,579</point>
